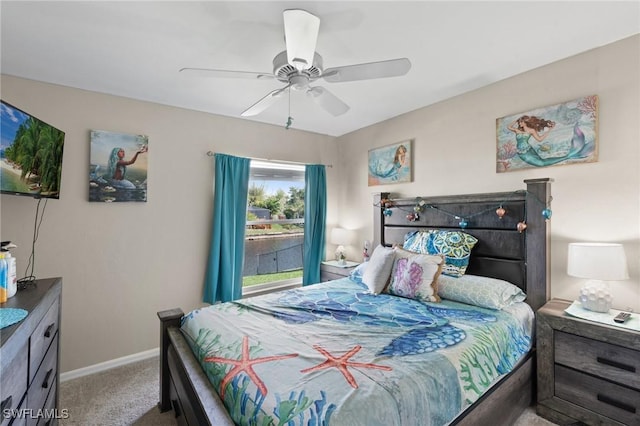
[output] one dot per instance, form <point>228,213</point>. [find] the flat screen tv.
<point>30,154</point>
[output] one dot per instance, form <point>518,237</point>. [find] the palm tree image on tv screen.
<point>30,154</point>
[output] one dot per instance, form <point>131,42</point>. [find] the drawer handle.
<point>616,364</point>
<point>45,384</point>
<point>47,332</point>
<point>176,407</point>
<point>6,403</point>
<point>615,403</point>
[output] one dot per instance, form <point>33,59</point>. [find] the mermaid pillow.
<point>415,275</point>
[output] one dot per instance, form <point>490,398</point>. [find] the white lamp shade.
<point>342,237</point>
<point>597,261</point>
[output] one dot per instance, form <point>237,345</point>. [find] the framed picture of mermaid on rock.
<point>390,164</point>
<point>565,133</point>
<point>118,169</point>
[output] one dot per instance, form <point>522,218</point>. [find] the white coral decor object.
<point>595,296</point>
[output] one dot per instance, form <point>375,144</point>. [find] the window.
<point>275,226</point>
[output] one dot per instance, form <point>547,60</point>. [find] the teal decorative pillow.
<point>480,291</point>
<point>455,246</point>
<point>417,241</point>
<point>415,276</point>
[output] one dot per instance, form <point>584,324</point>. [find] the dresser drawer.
<point>44,381</point>
<point>13,384</point>
<point>42,338</point>
<point>50,413</point>
<point>600,396</point>
<point>615,363</point>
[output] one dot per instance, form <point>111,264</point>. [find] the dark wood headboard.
<point>502,251</point>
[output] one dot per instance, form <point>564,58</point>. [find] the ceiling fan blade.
<point>264,103</point>
<point>382,69</point>
<point>327,100</point>
<point>301,35</point>
<point>208,72</point>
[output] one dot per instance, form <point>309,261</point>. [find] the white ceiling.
<point>135,49</point>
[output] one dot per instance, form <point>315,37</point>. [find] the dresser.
<point>29,374</point>
<point>329,270</point>
<point>587,371</point>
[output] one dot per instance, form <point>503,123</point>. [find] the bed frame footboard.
<point>184,387</point>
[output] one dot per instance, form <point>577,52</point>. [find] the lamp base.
<point>595,296</point>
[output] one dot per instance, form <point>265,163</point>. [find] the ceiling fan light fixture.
<point>299,82</point>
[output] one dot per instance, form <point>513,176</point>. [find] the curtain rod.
<point>211,154</point>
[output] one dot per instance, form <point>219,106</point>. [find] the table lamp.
<point>598,263</point>
<point>341,237</point>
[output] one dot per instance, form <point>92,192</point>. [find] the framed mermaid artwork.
<point>565,133</point>
<point>391,164</point>
<point>118,169</point>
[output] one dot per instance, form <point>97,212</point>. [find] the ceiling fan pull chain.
<point>289,119</point>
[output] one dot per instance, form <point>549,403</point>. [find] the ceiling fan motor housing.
<point>287,73</point>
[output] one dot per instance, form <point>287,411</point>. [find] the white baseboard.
<point>107,365</point>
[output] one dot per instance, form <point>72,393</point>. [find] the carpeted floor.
<point>128,395</point>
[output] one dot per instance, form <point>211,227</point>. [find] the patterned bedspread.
<point>332,354</point>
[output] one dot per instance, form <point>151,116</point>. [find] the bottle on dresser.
<point>12,278</point>
<point>4,275</point>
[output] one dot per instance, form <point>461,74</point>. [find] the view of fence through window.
<point>275,223</point>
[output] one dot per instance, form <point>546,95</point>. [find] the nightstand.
<point>330,270</point>
<point>587,371</point>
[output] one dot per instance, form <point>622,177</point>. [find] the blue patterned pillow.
<point>455,246</point>
<point>358,271</point>
<point>417,241</point>
<point>480,291</point>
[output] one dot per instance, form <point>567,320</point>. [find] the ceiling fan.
<point>300,65</point>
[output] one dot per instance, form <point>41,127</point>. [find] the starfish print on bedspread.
<point>245,364</point>
<point>342,362</point>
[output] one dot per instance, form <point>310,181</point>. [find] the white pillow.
<point>376,275</point>
<point>480,291</point>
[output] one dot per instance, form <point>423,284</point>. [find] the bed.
<point>270,376</point>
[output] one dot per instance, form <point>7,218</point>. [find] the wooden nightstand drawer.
<point>330,272</point>
<point>614,401</point>
<point>587,371</point>
<point>601,359</point>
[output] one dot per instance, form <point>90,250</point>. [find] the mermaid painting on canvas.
<point>526,127</point>
<point>389,164</point>
<point>561,134</point>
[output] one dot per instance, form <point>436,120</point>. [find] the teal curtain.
<point>223,280</point>
<point>315,212</point>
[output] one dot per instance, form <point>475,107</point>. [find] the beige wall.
<point>123,262</point>
<point>454,152</point>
